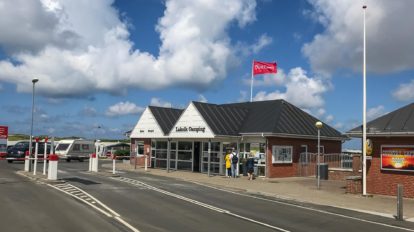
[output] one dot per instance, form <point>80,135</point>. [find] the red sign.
<point>4,132</point>
<point>397,158</point>
<point>264,67</point>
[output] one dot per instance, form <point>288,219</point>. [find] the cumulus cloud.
<point>247,50</point>
<point>340,45</point>
<point>375,112</point>
<point>123,108</point>
<point>301,90</point>
<point>88,111</point>
<point>76,48</point>
<point>267,80</point>
<point>159,102</point>
<point>405,92</point>
<point>202,98</point>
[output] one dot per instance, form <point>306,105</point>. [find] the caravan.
<point>75,149</point>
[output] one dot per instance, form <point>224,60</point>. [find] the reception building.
<point>392,159</point>
<point>198,137</point>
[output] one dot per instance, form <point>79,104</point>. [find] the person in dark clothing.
<point>250,167</point>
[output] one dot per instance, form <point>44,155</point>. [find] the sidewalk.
<point>332,193</point>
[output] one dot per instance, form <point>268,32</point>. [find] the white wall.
<point>190,121</point>
<point>147,127</point>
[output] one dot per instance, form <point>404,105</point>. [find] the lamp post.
<point>27,162</point>
<point>318,125</point>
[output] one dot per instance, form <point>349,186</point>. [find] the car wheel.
<point>10,161</point>
<point>67,160</point>
<point>80,159</point>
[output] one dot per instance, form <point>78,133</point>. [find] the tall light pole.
<point>319,125</point>
<point>364,118</point>
<point>34,81</point>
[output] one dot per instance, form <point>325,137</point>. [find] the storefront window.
<point>281,154</point>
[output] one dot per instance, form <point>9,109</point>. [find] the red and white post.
<point>45,157</point>
<point>36,154</point>
<point>53,166</point>
<point>94,162</point>
<point>27,161</point>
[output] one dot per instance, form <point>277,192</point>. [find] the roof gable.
<point>400,121</point>
<point>166,117</point>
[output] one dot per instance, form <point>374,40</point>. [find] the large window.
<point>282,154</point>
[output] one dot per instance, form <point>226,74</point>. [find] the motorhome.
<point>75,149</point>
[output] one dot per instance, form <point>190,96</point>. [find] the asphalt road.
<point>153,203</point>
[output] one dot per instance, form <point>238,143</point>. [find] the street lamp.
<point>318,125</point>
<point>27,166</point>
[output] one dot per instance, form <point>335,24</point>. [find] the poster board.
<point>397,158</point>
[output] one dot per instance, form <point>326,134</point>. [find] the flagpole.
<point>251,85</point>
<point>364,118</point>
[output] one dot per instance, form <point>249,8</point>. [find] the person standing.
<point>234,163</point>
<point>227,158</point>
<point>250,167</point>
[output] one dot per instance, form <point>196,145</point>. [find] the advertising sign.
<point>4,132</point>
<point>397,158</point>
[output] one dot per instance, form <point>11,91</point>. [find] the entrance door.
<point>197,154</point>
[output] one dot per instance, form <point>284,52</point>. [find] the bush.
<point>122,153</point>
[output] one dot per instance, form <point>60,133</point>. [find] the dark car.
<point>19,150</point>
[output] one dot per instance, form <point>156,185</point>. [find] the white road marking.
<point>308,208</point>
<point>91,201</point>
<point>211,207</point>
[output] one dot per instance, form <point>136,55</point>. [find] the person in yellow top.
<point>227,158</point>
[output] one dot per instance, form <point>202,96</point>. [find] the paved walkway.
<point>332,193</point>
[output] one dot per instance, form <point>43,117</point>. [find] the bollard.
<point>146,162</point>
<point>90,162</point>
<point>400,195</point>
<point>35,160</point>
<point>94,162</point>
<point>113,164</point>
<point>53,166</point>
<point>26,161</point>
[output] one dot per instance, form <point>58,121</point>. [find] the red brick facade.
<point>383,181</point>
<point>291,169</point>
<point>140,161</point>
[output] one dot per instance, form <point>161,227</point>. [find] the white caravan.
<point>75,149</point>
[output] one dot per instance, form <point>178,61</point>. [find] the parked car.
<point>75,149</point>
<point>19,150</point>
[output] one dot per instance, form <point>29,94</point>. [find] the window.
<point>85,147</point>
<point>62,146</point>
<point>76,147</point>
<point>140,150</point>
<point>281,154</point>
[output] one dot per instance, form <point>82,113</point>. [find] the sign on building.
<point>397,158</point>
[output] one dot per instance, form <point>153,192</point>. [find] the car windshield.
<point>62,146</point>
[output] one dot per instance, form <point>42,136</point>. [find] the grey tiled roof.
<point>398,122</point>
<point>166,117</point>
<point>276,117</point>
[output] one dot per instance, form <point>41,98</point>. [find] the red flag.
<point>264,67</point>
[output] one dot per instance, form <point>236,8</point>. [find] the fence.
<point>308,162</point>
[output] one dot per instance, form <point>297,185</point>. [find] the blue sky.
<point>99,65</point>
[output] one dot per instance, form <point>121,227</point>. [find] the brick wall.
<point>140,161</point>
<point>291,169</point>
<point>385,182</point>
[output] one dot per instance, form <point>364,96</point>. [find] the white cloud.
<point>267,80</point>
<point>263,41</point>
<point>88,111</point>
<point>159,102</point>
<point>76,48</point>
<point>202,98</point>
<point>405,92</point>
<point>301,90</point>
<point>375,112</point>
<point>329,118</point>
<point>123,108</point>
<point>340,45</point>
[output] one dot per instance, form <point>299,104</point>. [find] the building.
<point>275,132</point>
<point>392,159</point>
